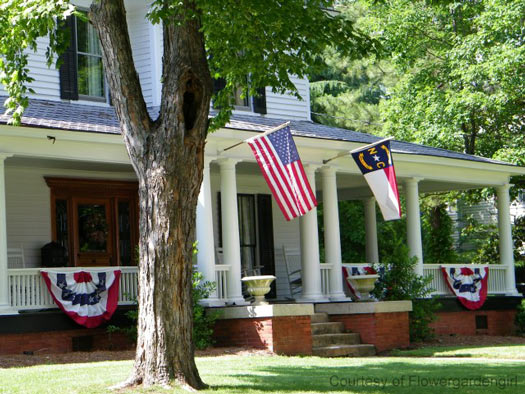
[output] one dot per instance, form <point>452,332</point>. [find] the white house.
<point>67,166</point>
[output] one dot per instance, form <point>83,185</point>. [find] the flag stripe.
<point>270,181</point>
<point>304,179</point>
<point>283,176</point>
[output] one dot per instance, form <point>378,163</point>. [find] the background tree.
<point>266,40</point>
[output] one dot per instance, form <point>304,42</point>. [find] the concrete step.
<point>336,339</point>
<point>344,351</point>
<point>327,328</point>
<point>319,318</point>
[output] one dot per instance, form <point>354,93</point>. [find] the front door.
<point>93,243</point>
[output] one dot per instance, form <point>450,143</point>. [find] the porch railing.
<point>496,280</point>
<point>27,289</point>
<point>221,280</point>
<point>325,278</point>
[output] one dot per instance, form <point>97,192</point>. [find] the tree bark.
<point>167,155</point>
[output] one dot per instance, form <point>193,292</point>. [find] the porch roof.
<point>101,119</point>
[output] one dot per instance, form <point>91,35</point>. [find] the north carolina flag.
<point>376,164</point>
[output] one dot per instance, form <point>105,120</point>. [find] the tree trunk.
<point>167,155</point>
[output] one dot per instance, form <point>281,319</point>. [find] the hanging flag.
<point>376,164</point>
<point>89,298</point>
<point>282,168</point>
<point>468,285</point>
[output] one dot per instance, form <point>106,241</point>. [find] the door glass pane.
<point>61,223</point>
<point>124,233</point>
<point>246,207</point>
<point>92,228</point>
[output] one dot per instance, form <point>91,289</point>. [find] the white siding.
<point>29,207</point>
<point>139,32</point>
<point>46,84</point>
<point>287,106</point>
<point>284,233</point>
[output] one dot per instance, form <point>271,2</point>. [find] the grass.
<point>514,352</point>
<point>264,374</point>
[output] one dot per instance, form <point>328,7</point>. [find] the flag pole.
<point>282,126</point>
<point>345,153</point>
<point>372,144</point>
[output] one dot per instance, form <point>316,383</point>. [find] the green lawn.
<point>264,374</point>
<point>514,352</point>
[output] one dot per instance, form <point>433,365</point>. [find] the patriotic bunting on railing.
<point>88,297</point>
<point>469,285</point>
<point>353,271</point>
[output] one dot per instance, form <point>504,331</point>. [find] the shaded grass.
<point>515,352</point>
<point>263,374</point>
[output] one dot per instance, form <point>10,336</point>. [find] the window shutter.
<point>218,84</point>
<point>68,68</point>
<point>259,102</point>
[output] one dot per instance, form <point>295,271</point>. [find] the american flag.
<point>282,168</point>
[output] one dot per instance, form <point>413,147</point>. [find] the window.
<point>81,72</point>
<point>89,61</point>
<point>96,221</point>
<point>256,104</point>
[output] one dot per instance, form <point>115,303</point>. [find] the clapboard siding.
<point>29,208</point>
<point>139,31</point>
<point>46,83</point>
<point>287,106</point>
<point>284,233</point>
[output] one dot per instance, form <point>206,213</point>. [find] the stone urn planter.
<point>363,284</point>
<point>258,287</point>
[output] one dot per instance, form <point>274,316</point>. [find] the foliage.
<point>398,281</point>
<point>520,317</point>
<point>203,322</point>
<point>437,228</point>
<point>347,90</point>
<point>463,74</point>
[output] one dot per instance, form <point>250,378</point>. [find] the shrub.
<point>202,322</point>
<point>398,281</point>
<point>520,317</point>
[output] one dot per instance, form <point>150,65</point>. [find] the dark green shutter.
<point>259,101</point>
<point>68,68</point>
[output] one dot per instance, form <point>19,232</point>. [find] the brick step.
<point>344,351</point>
<point>319,318</point>
<point>327,328</point>
<point>336,339</point>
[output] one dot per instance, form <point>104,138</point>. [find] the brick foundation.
<point>464,323</point>
<point>384,330</point>
<point>61,341</point>
<point>290,335</point>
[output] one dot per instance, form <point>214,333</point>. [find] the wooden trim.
<point>75,190</point>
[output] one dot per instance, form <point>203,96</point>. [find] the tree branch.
<point>109,19</point>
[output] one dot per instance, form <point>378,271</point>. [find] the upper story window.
<point>256,104</point>
<point>81,72</point>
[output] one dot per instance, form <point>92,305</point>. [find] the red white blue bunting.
<point>469,285</point>
<point>353,271</point>
<point>88,297</point>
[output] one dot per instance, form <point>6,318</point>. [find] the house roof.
<point>101,119</point>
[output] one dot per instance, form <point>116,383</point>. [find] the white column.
<point>415,244</point>
<point>231,249</point>
<point>372,249</point>
<point>332,237</point>
<point>310,265</point>
<point>4,280</point>
<point>506,255</point>
<point>205,241</point>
